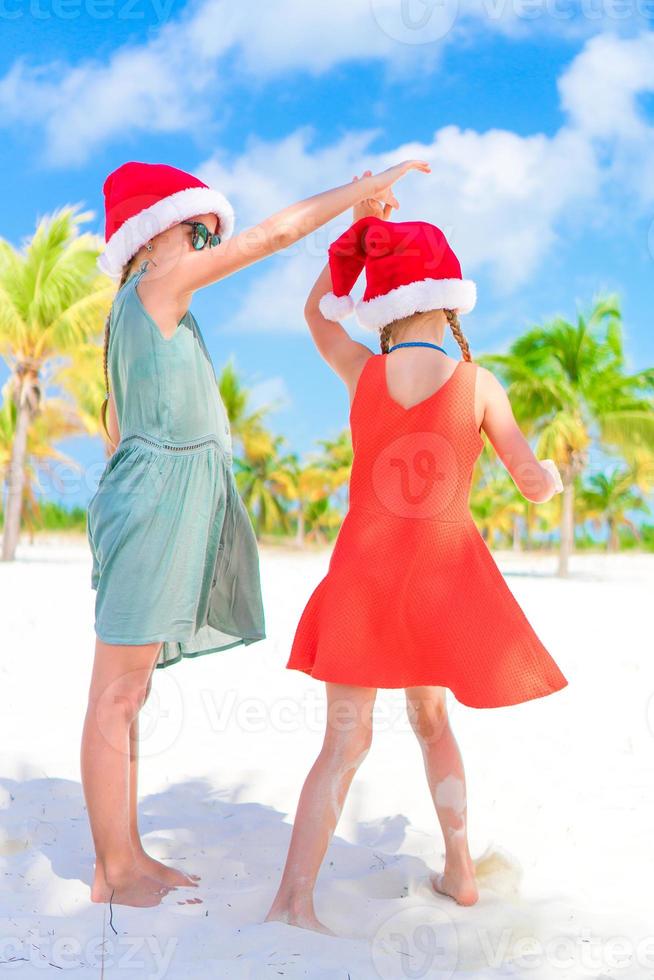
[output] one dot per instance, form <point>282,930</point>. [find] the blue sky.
<point>537,118</point>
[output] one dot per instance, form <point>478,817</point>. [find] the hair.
<point>103,410</point>
<point>386,332</point>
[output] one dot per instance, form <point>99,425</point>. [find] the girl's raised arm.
<point>537,480</point>
<point>343,354</point>
<point>283,229</point>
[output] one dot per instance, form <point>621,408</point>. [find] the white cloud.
<point>270,175</point>
<point>505,201</point>
<point>173,81</point>
<point>142,88</point>
<point>600,90</point>
<point>498,196</point>
<point>272,394</point>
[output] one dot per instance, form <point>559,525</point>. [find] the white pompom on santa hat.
<point>144,199</point>
<point>410,268</point>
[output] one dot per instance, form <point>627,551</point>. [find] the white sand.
<point>560,796</point>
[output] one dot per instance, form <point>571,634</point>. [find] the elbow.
<point>311,309</point>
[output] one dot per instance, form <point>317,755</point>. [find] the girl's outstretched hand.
<point>385,180</point>
<point>374,207</point>
<point>552,469</point>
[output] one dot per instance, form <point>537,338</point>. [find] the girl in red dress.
<point>412,598</point>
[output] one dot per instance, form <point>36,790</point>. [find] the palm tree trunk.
<point>16,479</point>
<point>516,533</point>
<point>299,534</point>
<point>567,527</point>
<point>529,517</point>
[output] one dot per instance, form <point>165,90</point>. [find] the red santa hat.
<point>144,199</point>
<point>410,268</point>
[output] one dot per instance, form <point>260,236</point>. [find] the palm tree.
<point>266,481</point>
<point>497,507</point>
<point>57,419</point>
<point>52,299</point>
<point>608,499</point>
<point>324,474</point>
<point>247,426</point>
<point>321,520</point>
<point>568,387</point>
<point>310,485</point>
<point>337,457</point>
<point>83,377</point>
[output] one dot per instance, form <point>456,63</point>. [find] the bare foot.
<point>135,889</point>
<point>303,919</point>
<point>458,884</point>
<point>161,872</point>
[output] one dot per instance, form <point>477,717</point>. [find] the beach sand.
<point>560,797</point>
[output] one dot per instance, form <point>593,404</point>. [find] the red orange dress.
<point>412,595</point>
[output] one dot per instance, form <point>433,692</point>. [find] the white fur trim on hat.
<point>417,297</point>
<point>336,307</point>
<point>140,228</point>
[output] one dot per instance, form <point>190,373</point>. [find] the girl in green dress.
<point>175,563</point>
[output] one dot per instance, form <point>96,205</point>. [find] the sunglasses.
<point>201,235</point>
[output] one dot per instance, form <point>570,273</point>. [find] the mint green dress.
<point>174,553</point>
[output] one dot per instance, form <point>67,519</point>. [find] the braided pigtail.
<point>455,326</point>
<point>105,357</point>
<point>385,337</point>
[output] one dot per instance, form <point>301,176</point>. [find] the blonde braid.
<point>455,326</point>
<point>385,337</point>
<point>105,354</point>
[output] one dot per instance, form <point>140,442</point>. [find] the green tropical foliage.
<point>57,420</point>
<point>570,390</point>
<point>608,499</point>
<point>52,300</point>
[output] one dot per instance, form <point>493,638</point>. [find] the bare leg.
<point>347,741</point>
<point>444,768</point>
<point>148,865</point>
<point>118,687</point>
